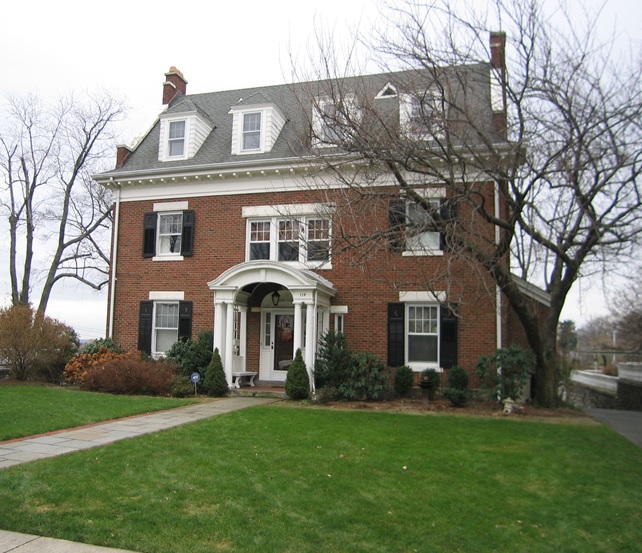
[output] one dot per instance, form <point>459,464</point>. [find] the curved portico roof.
<point>251,272</point>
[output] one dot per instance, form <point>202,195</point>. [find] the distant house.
<point>217,226</point>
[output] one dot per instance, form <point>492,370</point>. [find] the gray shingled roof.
<point>292,100</point>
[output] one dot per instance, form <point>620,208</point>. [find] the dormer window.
<point>176,141</point>
<point>333,120</point>
<point>252,131</point>
<point>422,115</point>
<point>255,126</point>
<point>182,134</point>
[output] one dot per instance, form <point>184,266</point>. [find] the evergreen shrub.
<point>297,382</point>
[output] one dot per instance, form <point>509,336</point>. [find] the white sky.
<point>54,46</point>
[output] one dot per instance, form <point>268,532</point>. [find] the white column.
<point>229,346</point>
<point>243,331</point>
<point>219,328</point>
<point>310,340</point>
<point>298,326</point>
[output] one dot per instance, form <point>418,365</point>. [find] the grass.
<point>303,480</point>
<point>26,410</point>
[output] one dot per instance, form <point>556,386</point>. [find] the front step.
<point>256,391</point>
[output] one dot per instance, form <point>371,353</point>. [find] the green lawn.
<point>307,480</point>
<point>31,409</point>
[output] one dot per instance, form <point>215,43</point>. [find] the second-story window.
<point>170,229</point>
<point>302,240</point>
<point>176,142</point>
<point>252,131</point>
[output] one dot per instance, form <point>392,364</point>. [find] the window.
<point>168,235</point>
<point>334,119</point>
<point>422,333</point>
<point>161,323</point>
<point>176,141</point>
<point>318,240</point>
<point>302,240</point>
<point>289,239</point>
<point>165,326</point>
<point>259,240</point>
<point>419,225</point>
<point>423,115</point>
<point>252,131</point>
<point>170,230</point>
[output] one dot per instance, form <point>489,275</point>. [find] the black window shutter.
<point>185,320</point>
<point>397,221</point>
<point>149,235</point>
<point>187,239</point>
<point>447,213</point>
<point>448,337</point>
<point>145,314</point>
<point>396,334</point>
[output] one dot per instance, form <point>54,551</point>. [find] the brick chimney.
<point>498,82</point>
<point>174,82</point>
<point>122,153</point>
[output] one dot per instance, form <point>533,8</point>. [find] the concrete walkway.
<point>23,450</point>
<point>625,423</point>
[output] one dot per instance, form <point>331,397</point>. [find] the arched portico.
<point>293,304</point>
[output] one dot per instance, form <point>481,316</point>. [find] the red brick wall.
<point>365,287</point>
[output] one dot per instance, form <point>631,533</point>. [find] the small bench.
<point>243,378</point>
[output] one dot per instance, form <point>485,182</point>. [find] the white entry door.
<point>277,344</point>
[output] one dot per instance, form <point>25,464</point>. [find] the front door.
<point>277,344</point>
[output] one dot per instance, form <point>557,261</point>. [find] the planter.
<point>630,372</point>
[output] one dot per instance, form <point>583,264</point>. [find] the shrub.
<point>182,386</point>
<point>364,380</point>
<point>214,382</point>
<point>192,356</point>
<point>326,394</point>
<point>457,391</point>
<point>97,345</point>
<point>297,382</point>
<point>404,378</point>
<point>78,366</point>
<point>32,344</point>
<point>434,380</point>
<point>131,376</point>
<point>516,364</point>
<point>333,360</point>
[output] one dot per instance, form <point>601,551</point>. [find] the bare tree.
<point>59,218</point>
<point>626,311</point>
<point>542,153</point>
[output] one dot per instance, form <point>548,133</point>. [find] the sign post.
<point>195,378</point>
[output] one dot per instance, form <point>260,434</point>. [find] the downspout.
<point>114,257</point>
<point>498,292</point>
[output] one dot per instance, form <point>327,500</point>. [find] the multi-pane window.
<point>170,228</point>
<point>252,131</point>
<point>421,235</point>
<point>259,240</point>
<point>422,333</point>
<point>289,240</point>
<point>176,140</point>
<point>318,239</point>
<point>165,326</point>
<point>423,114</point>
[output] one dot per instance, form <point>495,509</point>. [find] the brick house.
<point>223,221</point>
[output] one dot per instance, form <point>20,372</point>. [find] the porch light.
<point>275,298</point>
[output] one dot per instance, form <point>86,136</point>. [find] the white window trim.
<point>167,208</point>
<point>350,101</point>
<point>419,366</point>
<point>170,256</point>
<point>165,124</point>
<point>274,240</point>
<point>434,194</point>
<point>155,353</point>
<point>261,147</point>
<point>406,102</point>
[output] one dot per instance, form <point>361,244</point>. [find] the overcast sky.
<point>54,46</point>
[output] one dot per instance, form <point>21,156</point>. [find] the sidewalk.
<point>23,450</point>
